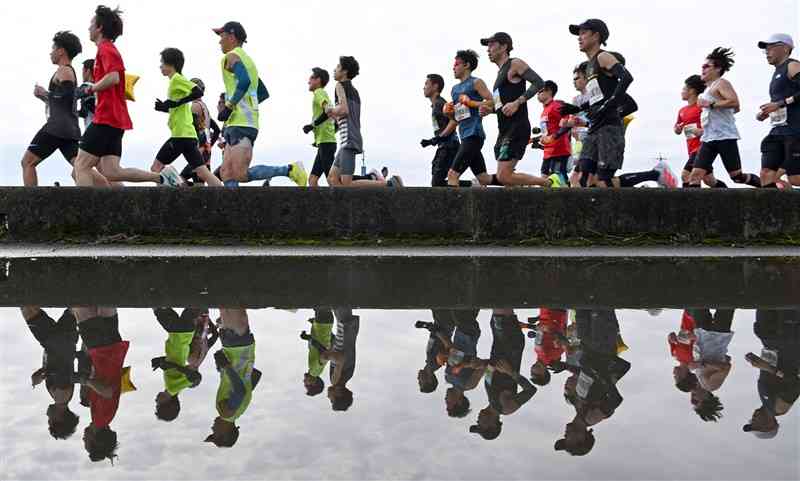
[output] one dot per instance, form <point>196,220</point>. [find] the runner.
<point>578,124</point>
<point>444,133</point>
<point>347,114</point>
<point>468,95</point>
<point>208,132</point>
<point>243,92</point>
<point>101,144</point>
<point>183,139</point>
<point>322,126</point>
<point>720,135</point>
<point>87,104</point>
<point>509,102</point>
<point>689,125</point>
<point>781,148</point>
<point>61,131</point>
<point>557,151</point>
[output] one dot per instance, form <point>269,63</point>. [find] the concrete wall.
<point>492,215</point>
<point>402,282</point>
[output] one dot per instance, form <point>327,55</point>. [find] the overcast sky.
<point>397,44</point>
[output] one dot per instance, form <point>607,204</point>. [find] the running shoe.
<point>170,177</point>
<point>377,175</point>
<point>395,181</point>
<point>298,174</point>
<point>557,182</point>
<point>666,177</point>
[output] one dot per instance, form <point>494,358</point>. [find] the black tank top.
<point>781,88</point>
<point>509,92</point>
<point>600,88</point>
<point>62,110</point>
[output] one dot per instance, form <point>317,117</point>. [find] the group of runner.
<point>583,142</point>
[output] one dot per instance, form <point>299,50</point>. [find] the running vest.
<point>242,359</point>
<point>245,113</point>
<point>504,92</point>
<point>350,126</point>
<point>469,119</point>
<point>784,121</point>
<point>62,110</point>
<point>201,123</point>
<point>601,87</point>
<point>718,124</point>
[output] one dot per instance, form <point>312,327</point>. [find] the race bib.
<point>690,131</point>
<point>498,104</point>
<point>435,124</point>
<point>456,357</point>
<point>704,117</point>
<point>770,356</point>
<point>779,118</point>
<point>462,112</point>
<point>683,337</point>
<point>594,92</point>
<point>543,127</point>
<point>584,384</point>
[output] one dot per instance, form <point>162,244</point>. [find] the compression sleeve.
<point>321,119</point>
<point>263,93</point>
<point>196,93</point>
<point>624,80</point>
<point>242,82</point>
<point>536,83</point>
<point>215,131</point>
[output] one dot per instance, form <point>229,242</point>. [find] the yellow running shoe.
<point>298,174</point>
<point>556,182</point>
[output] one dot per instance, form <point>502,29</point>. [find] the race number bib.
<point>704,117</point>
<point>690,131</point>
<point>498,104</point>
<point>462,112</point>
<point>435,125</point>
<point>594,92</point>
<point>455,358</point>
<point>770,356</point>
<point>584,384</point>
<point>543,127</point>
<point>779,118</point>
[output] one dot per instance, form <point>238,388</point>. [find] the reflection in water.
<point>580,349</point>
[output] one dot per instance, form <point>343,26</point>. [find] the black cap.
<point>234,28</point>
<point>593,24</point>
<point>499,37</point>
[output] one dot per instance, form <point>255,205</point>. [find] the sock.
<point>495,181</point>
<point>231,183</point>
<point>720,185</point>
<point>635,178</point>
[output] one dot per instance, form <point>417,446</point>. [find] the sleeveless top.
<point>718,124</point>
<point>62,110</point>
<point>504,92</point>
<point>245,113</point>
<point>468,118</point>
<point>784,121</point>
<point>350,126</point>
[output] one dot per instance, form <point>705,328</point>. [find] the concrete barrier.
<point>403,282</point>
<point>410,215</point>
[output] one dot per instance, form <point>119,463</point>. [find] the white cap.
<point>777,38</point>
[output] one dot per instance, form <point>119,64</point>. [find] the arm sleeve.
<point>263,93</point>
<point>166,316</point>
<point>215,131</point>
<point>527,391</point>
<point>242,82</point>
<point>194,94</point>
<point>624,80</point>
<point>536,83</point>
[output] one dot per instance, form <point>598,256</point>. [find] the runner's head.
<point>577,441</point>
<point>717,63</point>
<point>591,34</point>
<point>171,61</point>
<point>434,84</point>
<point>106,24</point>
<point>548,92</point>
<point>489,425</point>
<point>347,69</point>
<point>88,70</point>
<point>456,403</point>
<point>777,47</point>
<point>692,87</point>
<point>231,35</point>
<point>763,424</point>
<point>427,381</point>
<point>61,421</point>
<point>221,102</point>
<point>199,83</point>
<point>540,375</point>
<point>167,406</point>
<point>100,443</point>
<point>313,384</point>
<point>579,77</point>
<point>66,46</point>
<point>340,397</point>
<point>466,62</point>
<point>224,434</point>
<point>706,405</point>
<point>499,46</point>
<point>319,79</point>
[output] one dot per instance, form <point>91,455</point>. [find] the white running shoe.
<point>395,181</point>
<point>666,177</point>
<point>376,173</point>
<point>170,177</point>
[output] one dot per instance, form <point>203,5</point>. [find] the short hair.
<point>322,74</point>
<point>460,410</point>
<point>225,441</point>
<point>688,383</point>
<point>710,408</point>
<point>88,64</point>
<point>487,434</point>
<point>65,427</point>
<point>342,402</point>
<point>544,379</point>
<point>199,83</point>
<point>582,68</point>
<point>169,410</point>
<point>69,42</point>
<point>429,385</point>
<point>315,388</point>
<point>436,80</point>
<point>174,58</point>
<point>351,65</point>
<point>579,450</point>
<point>695,83</point>
<point>469,57</point>
<point>551,86</point>
<point>109,21</point>
<point>722,58</point>
<point>103,446</point>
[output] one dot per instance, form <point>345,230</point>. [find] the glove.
<point>224,114</point>
<point>221,360</point>
<point>84,90</point>
<point>569,109</point>
<point>433,141</point>
<point>157,362</point>
<point>164,106</point>
<point>194,377</point>
<point>308,128</point>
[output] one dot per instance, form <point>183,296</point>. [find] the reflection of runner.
<point>58,339</point>
<point>61,131</point>
<point>343,359</point>
<point>710,361</point>
<point>319,346</point>
<point>550,343</point>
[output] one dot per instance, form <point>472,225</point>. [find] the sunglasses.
<point>707,66</point>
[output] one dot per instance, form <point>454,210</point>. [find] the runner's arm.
<point>215,131</point>
<point>109,80</point>
<point>730,100</point>
<point>623,76</point>
<point>451,127</point>
<point>520,398</point>
<point>526,72</point>
<point>242,79</point>
<point>794,76</point>
<point>485,94</point>
<point>340,110</point>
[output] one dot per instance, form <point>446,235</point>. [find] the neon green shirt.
<point>325,133</point>
<point>177,349</point>
<point>245,113</point>
<point>321,332</point>
<point>242,359</point>
<point>180,118</point>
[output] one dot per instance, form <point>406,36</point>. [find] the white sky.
<point>397,44</point>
